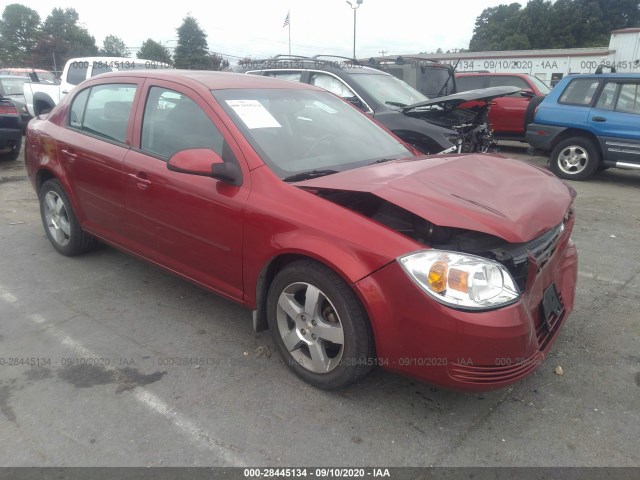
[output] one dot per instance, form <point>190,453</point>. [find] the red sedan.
<point>353,251</point>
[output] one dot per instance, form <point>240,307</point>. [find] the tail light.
<point>8,109</point>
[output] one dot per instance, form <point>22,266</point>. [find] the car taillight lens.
<point>8,110</point>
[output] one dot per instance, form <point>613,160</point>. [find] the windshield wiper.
<point>396,104</point>
<point>298,177</point>
<point>382,160</point>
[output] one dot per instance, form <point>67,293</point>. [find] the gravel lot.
<point>133,367</point>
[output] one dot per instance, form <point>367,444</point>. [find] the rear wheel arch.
<point>574,132</point>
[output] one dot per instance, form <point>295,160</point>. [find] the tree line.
<point>26,41</point>
<point>545,24</point>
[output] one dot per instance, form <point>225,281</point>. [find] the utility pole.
<point>358,3</point>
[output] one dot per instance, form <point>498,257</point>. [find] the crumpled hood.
<point>486,193</point>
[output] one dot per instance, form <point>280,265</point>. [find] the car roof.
<point>604,75</point>
<point>212,80</point>
<point>478,74</point>
<point>13,77</point>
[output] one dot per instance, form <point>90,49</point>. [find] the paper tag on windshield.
<point>253,114</point>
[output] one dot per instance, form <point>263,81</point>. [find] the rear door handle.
<point>69,154</point>
<point>599,119</point>
<point>143,183</point>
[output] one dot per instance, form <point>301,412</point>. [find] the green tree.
<point>559,24</point>
<point>192,51</point>
<point>152,50</point>
<point>62,38</point>
<point>493,27</point>
<point>114,47</point>
<point>19,30</point>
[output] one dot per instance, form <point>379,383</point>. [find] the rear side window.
<point>107,112</point>
<point>607,98</point>
<point>470,83</point>
<point>331,83</point>
<point>629,99</point>
<point>507,81</point>
<point>580,91</point>
<point>77,72</point>
<point>291,76</point>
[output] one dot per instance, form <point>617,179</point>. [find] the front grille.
<point>516,257</point>
<point>490,374</point>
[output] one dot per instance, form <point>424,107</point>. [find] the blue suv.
<point>588,123</point>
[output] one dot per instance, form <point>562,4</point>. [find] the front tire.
<point>60,223</point>
<point>319,326</point>
<point>575,158</point>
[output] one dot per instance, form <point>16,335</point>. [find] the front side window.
<point>172,122</point>
<point>629,99</point>
<point>107,111</point>
<point>301,131</point>
<point>580,91</point>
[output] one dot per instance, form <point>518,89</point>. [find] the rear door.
<point>507,113</point>
<point>616,119</point>
<point>92,148</point>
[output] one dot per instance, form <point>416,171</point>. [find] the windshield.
<point>388,90</point>
<point>543,87</point>
<point>296,131</point>
<point>13,86</point>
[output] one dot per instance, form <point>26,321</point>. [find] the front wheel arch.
<point>329,362</point>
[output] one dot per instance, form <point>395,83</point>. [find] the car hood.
<point>486,193</point>
<point>485,94</point>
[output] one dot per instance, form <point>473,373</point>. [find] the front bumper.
<point>462,350</point>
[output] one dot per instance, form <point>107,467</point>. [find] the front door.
<point>190,224</point>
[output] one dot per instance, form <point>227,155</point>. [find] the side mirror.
<point>527,92</point>
<point>206,163</point>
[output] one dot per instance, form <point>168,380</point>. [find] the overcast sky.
<point>255,27</point>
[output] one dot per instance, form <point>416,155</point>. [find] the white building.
<point>549,65</point>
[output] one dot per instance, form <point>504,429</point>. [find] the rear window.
<point>507,81</point>
<point>580,91</point>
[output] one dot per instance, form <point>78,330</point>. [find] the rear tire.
<point>60,223</point>
<point>575,158</point>
<point>319,326</point>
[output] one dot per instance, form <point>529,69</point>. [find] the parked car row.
<point>431,125</point>
<point>351,248</point>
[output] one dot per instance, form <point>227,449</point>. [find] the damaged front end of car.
<point>466,113</point>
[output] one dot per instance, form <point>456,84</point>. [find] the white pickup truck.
<point>41,97</point>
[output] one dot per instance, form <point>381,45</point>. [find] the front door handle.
<point>140,179</point>
<point>69,154</point>
<point>599,119</point>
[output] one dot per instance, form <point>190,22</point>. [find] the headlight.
<point>461,280</point>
